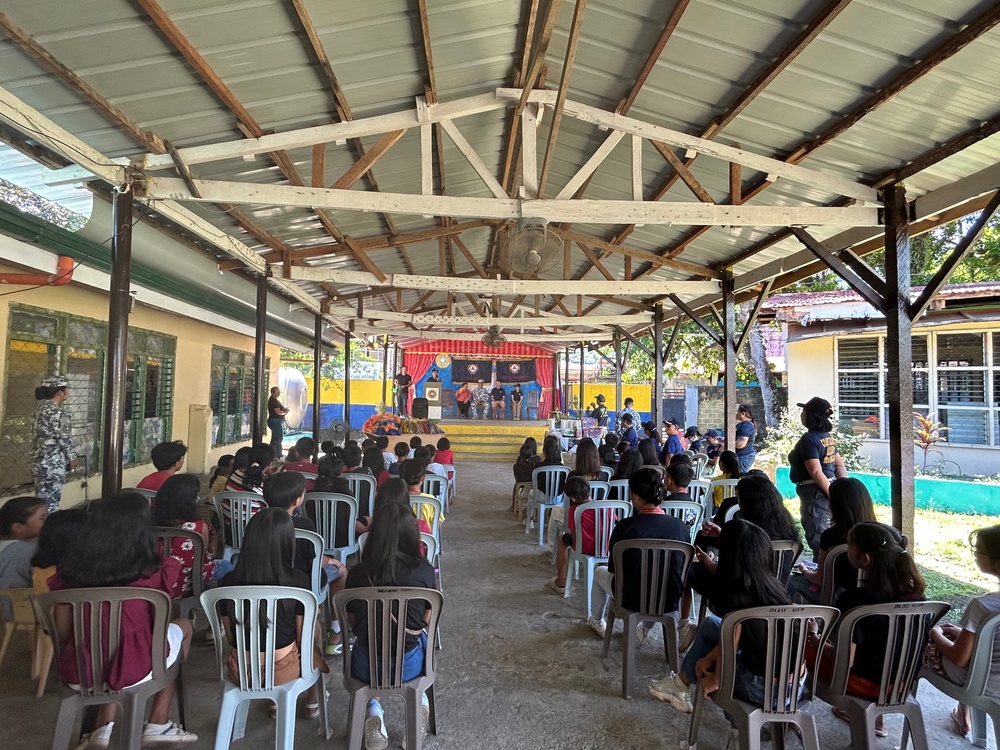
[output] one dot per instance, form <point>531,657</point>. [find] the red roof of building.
<point>970,290</point>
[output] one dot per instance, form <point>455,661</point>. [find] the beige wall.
<point>811,370</point>
<point>192,374</point>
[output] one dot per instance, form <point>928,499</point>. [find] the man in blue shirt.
<point>673,445</point>
<point>629,436</point>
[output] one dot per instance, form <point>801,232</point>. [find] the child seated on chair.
<point>577,491</point>
<point>400,450</point>
<point>268,546</point>
<point>54,543</point>
<point>412,472</point>
<point>176,507</point>
<point>392,558</point>
<point>745,578</point>
<point>287,491</point>
<point>116,548</point>
<point>891,575</point>
<point>444,454</point>
<point>950,650</point>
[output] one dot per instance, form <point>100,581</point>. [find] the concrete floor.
<point>519,668</point>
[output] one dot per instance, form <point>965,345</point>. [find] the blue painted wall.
<point>932,494</point>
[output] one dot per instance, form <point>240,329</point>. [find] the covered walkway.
<point>519,670</point>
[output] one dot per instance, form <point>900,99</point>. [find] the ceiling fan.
<point>530,249</point>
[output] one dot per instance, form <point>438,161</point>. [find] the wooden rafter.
<point>654,55</point>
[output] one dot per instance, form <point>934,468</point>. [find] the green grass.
<point>943,555</point>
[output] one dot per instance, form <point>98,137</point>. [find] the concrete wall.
<point>811,370</point>
<point>192,375</point>
<point>711,405</point>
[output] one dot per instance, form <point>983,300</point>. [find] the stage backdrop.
<point>511,363</point>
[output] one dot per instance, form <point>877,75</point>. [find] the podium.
<point>432,392</point>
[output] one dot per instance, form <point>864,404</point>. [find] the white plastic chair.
<point>907,629</point>
<point>417,502</point>
<point>438,486</point>
<point>659,468</point>
<point>254,646</point>
<point>165,537</point>
<point>690,513</point>
<point>606,513</point>
<point>316,570</point>
<point>451,474</point>
<point>235,509</point>
<point>429,546</point>
<point>323,508</point>
<point>700,492</point>
<point>548,483</point>
<point>973,692</point>
<point>787,628</point>
<point>606,473</point>
<point>699,463</point>
<point>363,488</point>
<point>828,588</point>
<point>619,490</point>
<point>599,490</point>
<point>728,488</point>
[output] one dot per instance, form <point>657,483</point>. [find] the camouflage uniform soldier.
<point>480,401</point>
<point>53,450</point>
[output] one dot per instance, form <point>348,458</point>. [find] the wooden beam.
<point>317,175</point>
<point>712,333</point>
<point>684,173</point>
<point>853,280</point>
<point>552,211</point>
<point>638,344</point>
<point>955,257</point>
<point>538,56</point>
<point>654,55</point>
<point>583,174</point>
<point>483,321</point>
<point>754,313</point>
<point>567,72</point>
<point>469,257</point>
<point>735,183</point>
<point>425,38</point>
<point>363,165</point>
<point>529,152</point>
<point>596,261</point>
<point>475,161</point>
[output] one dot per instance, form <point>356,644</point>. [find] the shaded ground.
<point>520,669</point>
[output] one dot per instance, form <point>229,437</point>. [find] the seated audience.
<point>251,477</point>
<point>59,533</point>
<point>577,490</point>
<point>729,468</point>
<point>444,454</point>
<point>629,463</point>
<point>21,521</point>
<point>168,458</point>
<point>176,507</point>
<point>399,452</point>
<point>220,475</point>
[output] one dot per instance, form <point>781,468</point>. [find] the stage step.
<point>484,440</point>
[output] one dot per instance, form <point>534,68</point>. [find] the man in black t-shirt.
<point>498,397</point>
<point>402,384</point>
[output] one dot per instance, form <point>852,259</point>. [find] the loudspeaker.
<point>418,408</point>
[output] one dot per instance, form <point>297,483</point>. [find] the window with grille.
<point>954,377</point>
<point>232,395</point>
<point>42,343</point>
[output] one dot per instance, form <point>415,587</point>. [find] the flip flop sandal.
<point>843,716</point>
<point>959,725</point>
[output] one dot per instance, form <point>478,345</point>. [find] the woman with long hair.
<point>745,580</point>
<point>812,465</point>
<point>392,558</point>
<point>524,464</point>
<point>588,461</point>
<point>746,432</point>
<point>59,534</point>
<point>373,463</point>
<point>850,504</point>
<point>176,507</point>
<point>647,449</point>
<point>551,452</point>
<point>729,468</point>
<point>53,450</point>
<point>117,548</point>
<point>650,431</point>
<point>629,463</point>
<point>265,559</point>
<point>891,575</point>
<point>251,477</point>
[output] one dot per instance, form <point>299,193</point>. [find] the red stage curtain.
<point>543,376</point>
<point>418,365</point>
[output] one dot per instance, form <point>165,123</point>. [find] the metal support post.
<point>567,390</point>
<point>657,406</point>
<point>582,407</point>
<point>116,371</point>
<point>385,370</point>
<point>317,381</point>
<point>259,363</point>
<point>899,358</point>
<point>729,339</point>
<point>556,402</point>
<point>618,373</point>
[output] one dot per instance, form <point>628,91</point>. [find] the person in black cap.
<point>695,443</point>
<point>673,444</point>
<point>53,450</point>
<point>813,464</point>
<point>713,447</point>
<point>600,412</point>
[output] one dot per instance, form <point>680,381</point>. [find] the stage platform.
<point>487,439</point>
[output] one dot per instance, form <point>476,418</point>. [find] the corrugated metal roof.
<point>260,51</point>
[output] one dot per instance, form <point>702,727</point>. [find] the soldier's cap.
<point>600,398</point>
<point>55,381</point>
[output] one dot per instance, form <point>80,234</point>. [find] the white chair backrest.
<point>655,467</point>
<point>449,471</point>
<point>619,490</point>
<point>689,454</point>
<point>148,494</point>
<point>690,513</point>
<point>699,463</point>
<point>363,488</point>
<point>429,546</point>
<point>418,502</point>
<point>731,512</point>
<point>606,473</point>
<point>255,644</point>
<point>549,481</point>
<point>605,514</point>
<point>829,589</point>
<point>316,570</point>
<point>323,508</point>
<point>437,486</point>
<point>728,487</point>
<point>599,490</point>
<point>235,509</point>
<point>785,552</point>
<point>700,492</point>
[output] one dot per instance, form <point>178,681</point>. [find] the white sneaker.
<point>686,636</point>
<point>671,690</point>
<point>99,739</point>
<point>598,626</point>
<point>376,737</point>
<point>170,733</point>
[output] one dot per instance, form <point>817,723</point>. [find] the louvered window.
<point>232,395</point>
